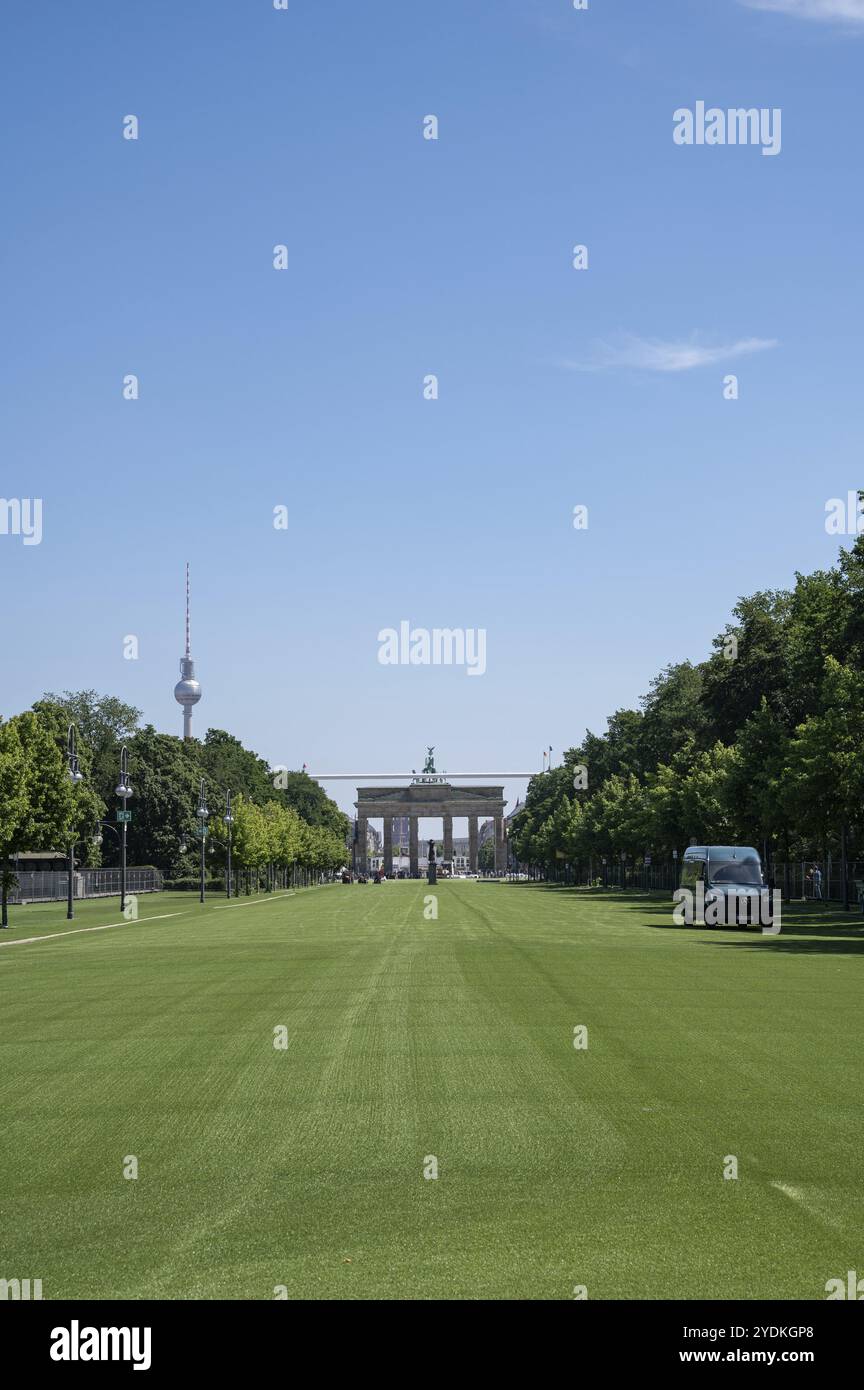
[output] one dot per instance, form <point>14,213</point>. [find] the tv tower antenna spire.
<point>187,691</point>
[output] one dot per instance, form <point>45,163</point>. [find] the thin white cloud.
<point>654,355</point>
<point>839,11</point>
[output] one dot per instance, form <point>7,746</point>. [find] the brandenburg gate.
<point>429,796</point>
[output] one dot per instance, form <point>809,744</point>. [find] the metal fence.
<point>245,882</point>
<point>647,878</point>
<point>802,880</point>
<point>805,879</point>
<point>53,886</point>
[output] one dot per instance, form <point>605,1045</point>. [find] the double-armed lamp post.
<point>124,791</point>
<point>76,776</point>
<point>229,821</point>
<point>203,813</point>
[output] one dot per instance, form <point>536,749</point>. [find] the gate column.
<point>388,846</point>
<point>413,849</point>
<point>500,847</point>
<point>472,844</point>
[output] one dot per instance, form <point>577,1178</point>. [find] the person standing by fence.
<point>816,877</point>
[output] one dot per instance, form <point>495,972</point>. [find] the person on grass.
<point>816,876</point>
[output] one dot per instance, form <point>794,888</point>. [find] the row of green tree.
<point>271,837</point>
<point>42,810</point>
<point>762,743</point>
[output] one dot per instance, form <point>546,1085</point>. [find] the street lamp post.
<point>76,776</point>
<point>229,821</point>
<point>124,791</point>
<point>202,817</point>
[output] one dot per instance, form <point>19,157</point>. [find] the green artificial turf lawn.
<point>410,1038</point>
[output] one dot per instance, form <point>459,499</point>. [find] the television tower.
<point>187,691</point>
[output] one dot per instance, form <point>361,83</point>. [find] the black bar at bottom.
<point>65,1338</point>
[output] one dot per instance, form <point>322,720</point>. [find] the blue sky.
<point>303,387</point>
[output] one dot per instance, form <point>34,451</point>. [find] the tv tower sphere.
<point>187,691</point>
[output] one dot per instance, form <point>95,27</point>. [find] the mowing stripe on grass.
<point>258,904</point>
<point>305,1167</point>
<point>74,931</point>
